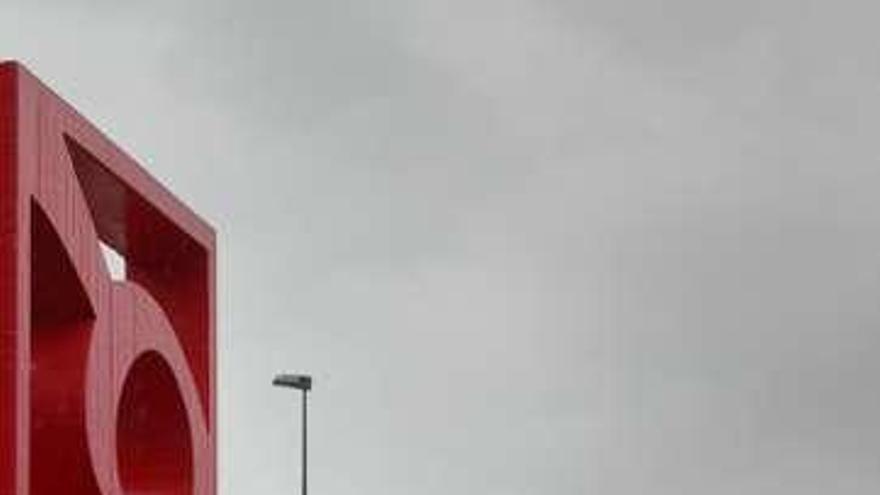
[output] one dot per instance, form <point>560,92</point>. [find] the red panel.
<point>106,387</point>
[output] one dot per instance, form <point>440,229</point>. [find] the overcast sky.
<point>526,247</point>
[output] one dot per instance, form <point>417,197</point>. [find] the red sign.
<point>106,386</point>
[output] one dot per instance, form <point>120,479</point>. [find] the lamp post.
<point>303,383</point>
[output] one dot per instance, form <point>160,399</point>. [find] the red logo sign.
<point>106,386</point>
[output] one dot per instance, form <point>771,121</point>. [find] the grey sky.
<point>526,247</point>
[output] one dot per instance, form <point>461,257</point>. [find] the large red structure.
<point>106,386</point>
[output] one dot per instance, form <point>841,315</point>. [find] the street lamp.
<point>304,383</point>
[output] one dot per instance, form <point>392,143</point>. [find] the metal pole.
<point>305,449</point>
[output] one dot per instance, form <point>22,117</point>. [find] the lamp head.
<point>299,382</point>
